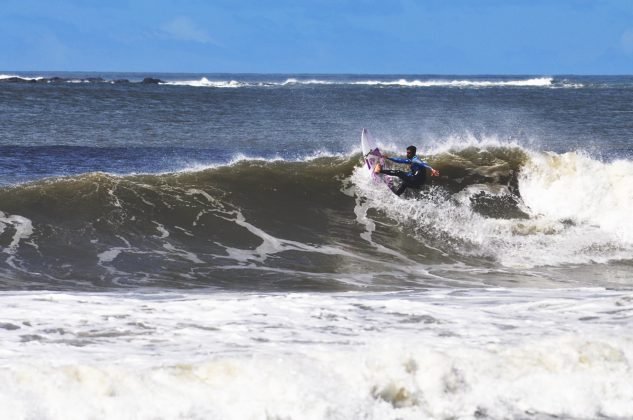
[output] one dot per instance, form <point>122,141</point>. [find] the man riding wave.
<point>415,178</point>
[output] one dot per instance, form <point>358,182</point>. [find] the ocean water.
<point>205,246</point>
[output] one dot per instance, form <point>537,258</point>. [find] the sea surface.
<point>210,246</point>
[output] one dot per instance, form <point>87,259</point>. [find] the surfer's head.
<point>411,150</point>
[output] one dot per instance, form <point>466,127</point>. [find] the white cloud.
<point>184,29</point>
<point>626,41</point>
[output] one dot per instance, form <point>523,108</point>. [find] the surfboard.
<point>372,156</point>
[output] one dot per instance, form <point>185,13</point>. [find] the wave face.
<point>319,224</point>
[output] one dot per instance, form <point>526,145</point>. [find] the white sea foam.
<point>293,81</point>
<point>22,228</point>
<point>204,82</point>
<point>501,353</point>
<point>573,186</point>
<point>534,82</point>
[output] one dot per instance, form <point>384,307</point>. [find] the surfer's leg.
<point>392,172</point>
<point>401,188</point>
<point>409,182</point>
<point>400,174</point>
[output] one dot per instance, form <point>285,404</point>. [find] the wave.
<point>318,223</point>
<point>4,78</point>
<point>533,82</point>
<point>204,82</point>
<point>547,82</point>
<point>14,77</point>
<point>527,210</point>
<point>536,82</point>
<point>573,186</point>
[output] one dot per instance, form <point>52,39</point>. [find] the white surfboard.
<point>373,156</point>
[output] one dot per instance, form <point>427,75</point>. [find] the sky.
<point>527,37</point>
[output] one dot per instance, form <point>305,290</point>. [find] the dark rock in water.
<point>151,81</point>
<point>15,80</point>
<point>498,207</point>
<point>52,80</point>
<point>117,81</point>
<point>94,80</point>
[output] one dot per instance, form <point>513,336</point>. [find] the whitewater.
<point>426,354</point>
<point>210,246</point>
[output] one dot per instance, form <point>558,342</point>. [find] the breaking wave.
<point>533,82</point>
<point>322,220</point>
<point>210,82</point>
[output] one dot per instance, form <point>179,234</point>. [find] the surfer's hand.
<point>435,172</point>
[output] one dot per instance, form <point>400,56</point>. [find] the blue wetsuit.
<point>415,178</point>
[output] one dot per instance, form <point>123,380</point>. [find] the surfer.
<point>415,178</point>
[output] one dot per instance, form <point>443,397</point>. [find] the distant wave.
<point>541,81</point>
<point>7,78</point>
<point>533,82</point>
<point>13,77</point>
<point>545,82</point>
<point>204,82</point>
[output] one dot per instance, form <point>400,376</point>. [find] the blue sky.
<point>320,36</point>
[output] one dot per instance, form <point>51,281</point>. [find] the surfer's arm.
<point>426,165</point>
<point>434,172</point>
<point>400,160</point>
